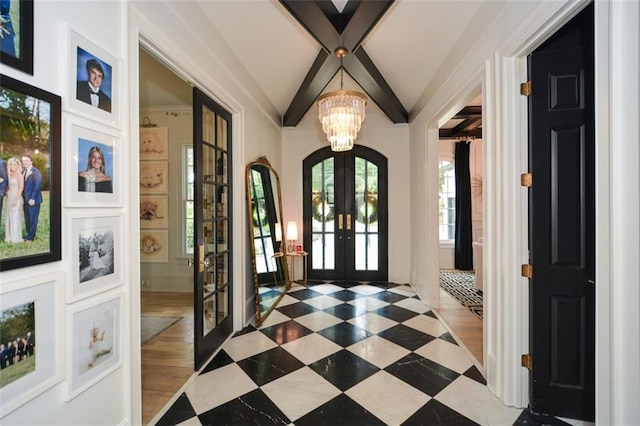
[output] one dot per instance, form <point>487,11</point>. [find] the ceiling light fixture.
<point>341,112</point>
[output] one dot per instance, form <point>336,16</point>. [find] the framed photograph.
<point>30,310</point>
<point>96,253</point>
<point>93,81</point>
<point>154,246</point>
<point>95,346</point>
<point>29,175</point>
<point>154,143</point>
<point>154,211</point>
<point>92,166</point>
<point>154,176</point>
<point>16,27</point>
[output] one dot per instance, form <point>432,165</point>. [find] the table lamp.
<point>292,236</point>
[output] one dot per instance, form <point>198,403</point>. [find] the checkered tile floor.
<point>342,354</point>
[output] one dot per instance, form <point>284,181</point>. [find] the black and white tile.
<point>342,354</point>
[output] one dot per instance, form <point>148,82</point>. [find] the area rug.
<point>150,327</point>
<point>459,284</point>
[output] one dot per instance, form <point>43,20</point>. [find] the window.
<point>187,200</point>
<point>446,200</point>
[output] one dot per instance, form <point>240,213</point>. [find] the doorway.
<point>461,304</point>
<point>345,214</point>
<point>189,286</point>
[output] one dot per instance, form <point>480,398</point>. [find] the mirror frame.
<point>262,161</point>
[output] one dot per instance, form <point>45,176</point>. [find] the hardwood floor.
<point>465,325</point>
<point>167,359</point>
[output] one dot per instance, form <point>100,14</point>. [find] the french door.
<point>212,196</point>
<point>345,214</point>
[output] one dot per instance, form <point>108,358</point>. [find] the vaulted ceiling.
<point>395,49</point>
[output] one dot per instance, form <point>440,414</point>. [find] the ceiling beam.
<point>362,69</point>
<point>333,29</point>
<point>449,134</point>
<point>322,71</point>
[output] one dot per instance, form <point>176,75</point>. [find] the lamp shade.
<point>292,231</point>
<point>278,231</point>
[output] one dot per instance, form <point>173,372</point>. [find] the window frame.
<point>184,249</point>
<point>448,157</point>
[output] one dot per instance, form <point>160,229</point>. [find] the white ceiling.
<point>408,45</point>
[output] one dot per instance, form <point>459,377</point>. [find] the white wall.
<point>51,63</point>
<point>379,134</point>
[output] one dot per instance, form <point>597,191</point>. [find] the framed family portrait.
<point>92,165</point>
<point>154,177</point>
<point>29,175</point>
<point>93,81</point>
<point>154,143</point>
<point>96,253</point>
<point>154,246</point>
<point>154,211</point>
<point>95,344</point>
<point>16,28</point>
<point>30,326</point>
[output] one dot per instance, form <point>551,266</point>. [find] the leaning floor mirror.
<point>264,211</point>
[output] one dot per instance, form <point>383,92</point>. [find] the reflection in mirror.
<point>264,211</point>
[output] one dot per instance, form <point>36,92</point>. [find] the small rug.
<point>150,327</point>
<point>459,284</point>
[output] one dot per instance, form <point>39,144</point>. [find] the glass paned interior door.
<point>366,215</point>
<point>215,221</point>
<point>323,215</point>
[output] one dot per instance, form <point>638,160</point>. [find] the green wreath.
<point>257,213</point>
<point>321,211</point>
<point>370,206</point>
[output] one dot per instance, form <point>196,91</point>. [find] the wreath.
<point>321,210</point>
<point>367,211</point>
<point>257,213</point>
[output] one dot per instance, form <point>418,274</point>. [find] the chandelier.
<point>341,112</point>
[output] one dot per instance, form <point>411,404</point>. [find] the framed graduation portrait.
<point>93,81</point>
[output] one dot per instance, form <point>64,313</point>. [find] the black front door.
<point>345,214</point>
<point>213,278</point>
<point>562,222</point>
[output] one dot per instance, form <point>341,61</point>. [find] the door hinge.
<point>527,361</point>
<point>527,270</point>
<point>525,88</point>
<point>526,179</point>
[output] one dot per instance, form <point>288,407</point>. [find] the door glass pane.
<point>366,215</point>
<point>323,215</point>
<point>222,234</point>
<point>208,163</point>
<point>209,314</point>
<point>222,265</point>
<point>221,167</point>
<point>222,133</point>
<point>223,303</point>
<point>209,238</point>
<point>208,125</point>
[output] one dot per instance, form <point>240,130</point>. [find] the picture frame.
<point>96,253</point>
<point>154,246</point>
<point>95,341</point>
<point>31,122</point>
<point>154,211</point>
<point>154,143</point>
<point>89,63</point>
<point>154,177</point>
<point>35,301</point>
<point>16,46</point>
<point>87,144</point>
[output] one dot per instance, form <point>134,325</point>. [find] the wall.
<point>379,134</point>
<point>174,275</point>
<point>52,22</point>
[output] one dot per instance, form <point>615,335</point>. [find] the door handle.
<point>348,222</point>
<point>340,221</point>
<point>593,282</point>
<point>190,262</point>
